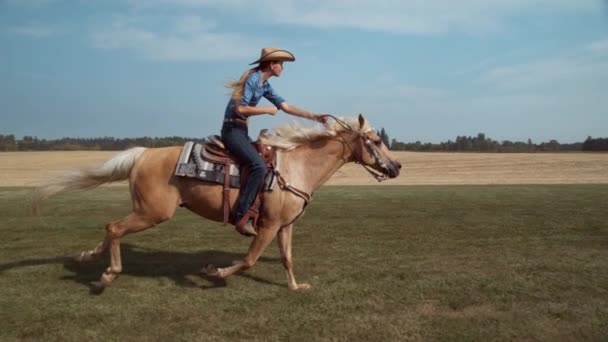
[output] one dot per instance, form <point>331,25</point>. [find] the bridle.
<point>365,143</point>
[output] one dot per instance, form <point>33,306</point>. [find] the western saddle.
<point>214,151</point>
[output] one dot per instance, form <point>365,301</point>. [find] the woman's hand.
<point>322,118</point>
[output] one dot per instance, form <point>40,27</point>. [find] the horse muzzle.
<point>393,169</point>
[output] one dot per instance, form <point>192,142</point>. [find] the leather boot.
<point>246,229</point>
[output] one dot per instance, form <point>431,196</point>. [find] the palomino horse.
<point>308,158</point>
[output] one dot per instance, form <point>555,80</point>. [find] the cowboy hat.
<point>274,54</point>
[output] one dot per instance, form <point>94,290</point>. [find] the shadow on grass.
<point>33,262</point>
<point>180,267</point>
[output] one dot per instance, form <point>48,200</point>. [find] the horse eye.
<point>378,142</point>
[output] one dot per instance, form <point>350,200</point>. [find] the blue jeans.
<point>236,139</point>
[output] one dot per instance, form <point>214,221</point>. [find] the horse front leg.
<point>284,241</point>
<point>257,247</point>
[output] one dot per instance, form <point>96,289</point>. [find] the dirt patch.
<point>33,168</point>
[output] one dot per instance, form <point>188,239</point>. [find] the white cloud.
<point>387,86</point>
<point>29,3</point>
<point>418,17</point>
<point>192,24</point>
<point>33,30</point>
<point>185,38</point>
<point>191,37</point>
<point>557,96</point>
<point>395,16</point>
<point>188,3</point>
<point>600,46</point>
<point>549,73</point>
<point>419,93</point>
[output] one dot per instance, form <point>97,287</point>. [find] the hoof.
<point>303,286</point>
<point>80,258</point>
<point>86,257</point>
<point>211,271</point>
<point>96,287</point>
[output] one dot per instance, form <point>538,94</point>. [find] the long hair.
<point>236,87</point>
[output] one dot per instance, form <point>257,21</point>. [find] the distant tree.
<point>385,138</point>
<point>482,143</point>
<point>597,144</point>
<point>507,146</point>
<point>479,143</point>
<point>552,146</point>
<point>8,143</point>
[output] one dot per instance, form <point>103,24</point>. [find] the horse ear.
<point>361,121</point>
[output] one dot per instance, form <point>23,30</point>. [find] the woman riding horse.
<point>246,93</point>
<point>308,158</point>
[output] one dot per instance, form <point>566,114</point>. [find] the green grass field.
<point>386,264</point>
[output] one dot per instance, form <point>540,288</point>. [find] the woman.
<point>246,93</point>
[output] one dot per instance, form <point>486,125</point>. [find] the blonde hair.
<point>236,87</point>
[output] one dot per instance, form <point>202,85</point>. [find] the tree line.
<point>479,143</point>
<point>29,143</point>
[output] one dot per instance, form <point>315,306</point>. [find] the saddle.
<point>211,162</point>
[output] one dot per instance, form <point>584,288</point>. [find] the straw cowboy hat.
<point>274,54</point>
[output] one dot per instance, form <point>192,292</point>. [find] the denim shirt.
<point>252,93</point>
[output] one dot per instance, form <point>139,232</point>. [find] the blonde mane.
<point>292,135</point>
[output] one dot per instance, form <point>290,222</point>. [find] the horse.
<point>309,156</point>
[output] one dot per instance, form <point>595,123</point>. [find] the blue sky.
<point>424,70</point>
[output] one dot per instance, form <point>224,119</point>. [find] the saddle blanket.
<point>191,164</point>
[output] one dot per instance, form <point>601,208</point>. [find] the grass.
<point>386,264</point>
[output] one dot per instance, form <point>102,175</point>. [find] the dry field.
<point>32,168</point>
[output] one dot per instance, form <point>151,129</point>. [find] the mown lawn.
<point>386,264</point>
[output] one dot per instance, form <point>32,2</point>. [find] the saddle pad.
<point>191,165</point>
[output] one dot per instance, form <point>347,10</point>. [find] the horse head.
<point>371,152</point>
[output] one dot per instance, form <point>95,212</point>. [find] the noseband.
<point>365,143</point>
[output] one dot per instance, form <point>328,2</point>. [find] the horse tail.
<point>115,169</point>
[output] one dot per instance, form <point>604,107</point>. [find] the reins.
<point>341,122</point>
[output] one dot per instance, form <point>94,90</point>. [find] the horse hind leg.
<point>135,222</point>
<point>93,254</point>
<point>96,253</point>
<point>130,224</point>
